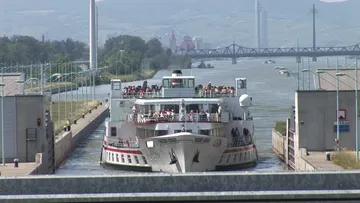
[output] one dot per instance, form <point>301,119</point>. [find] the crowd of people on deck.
<point>205,90</point>
<point>167,115</point>
<point>140,91</point>
<point>218,90</point>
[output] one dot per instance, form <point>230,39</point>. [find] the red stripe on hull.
<point>122,150</point>
<point>233,150</point>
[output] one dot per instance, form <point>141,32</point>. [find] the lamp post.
<point>356,111</point>
<point>337,105</point>
<point>2,123</point>
<point>59,104</point>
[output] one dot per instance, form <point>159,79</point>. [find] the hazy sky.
<point>333,0</point>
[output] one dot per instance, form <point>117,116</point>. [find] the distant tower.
<point>92,49</point>
<point>172,44</point>
<point>257,23</point>
<point>263,28</point>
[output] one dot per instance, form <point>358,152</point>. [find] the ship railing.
<point>240,141</point>
<point>196,117</point>
<point>122,142</point>
<point>145,95</point>
<point>213,94</point>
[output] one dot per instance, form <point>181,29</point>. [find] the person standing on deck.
<point>219,112</point>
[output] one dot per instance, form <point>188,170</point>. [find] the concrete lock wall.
<point>67,141</point>
<point>63,147</point>
<point>194,182</point>
<point>316,114</point>
<point>278,142</point>
<point>93,124</point>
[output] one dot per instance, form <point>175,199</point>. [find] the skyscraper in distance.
<point>263,28</point>
<point>257,24</point>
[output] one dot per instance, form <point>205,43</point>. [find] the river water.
<point>272,93</point>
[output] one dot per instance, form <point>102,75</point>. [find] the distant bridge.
<point>235,51</point>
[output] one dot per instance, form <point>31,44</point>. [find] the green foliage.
<point>345,159</point>
<point>125,55</point>
<point>154,47</point>
<point>280,126</point>
<point>28,50</point>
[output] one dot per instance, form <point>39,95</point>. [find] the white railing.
<point>122,142</point>
<point>213,94</point>
<point>213,117</point>
<point>199,93</point>
<point>144,95</point>
<point>240,141</point>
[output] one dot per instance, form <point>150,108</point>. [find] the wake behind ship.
<point>179,127</point>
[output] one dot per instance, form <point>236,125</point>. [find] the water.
<point>272,93</point>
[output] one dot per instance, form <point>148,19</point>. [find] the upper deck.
<point>177,86</point>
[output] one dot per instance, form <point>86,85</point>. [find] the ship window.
<point>221,158</point>
<point>112,156</point>
<point>113,131</point>
<point>166,83</point>
<point>116,86</point>
<point>122,158</point>
<point>213,108</point>
<point>191,83</point>
<point>161,132</point>
<point>170,106</point>
<point>129,159</point>
<point>149,107</point>
<point>144,159</point>
<point>117,157</point>
<point>204,132</point>
<point>137,160</point>
<point>234,158</point>
<point>179,131</point>
<point>228,158</point>
<point>240,157</point>
<point>195,107</point>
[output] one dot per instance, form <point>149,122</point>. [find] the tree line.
<point>124,54</point>
<point>27,50</point>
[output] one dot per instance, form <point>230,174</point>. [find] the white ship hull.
<point>184,152</point>
<point>180,152</point>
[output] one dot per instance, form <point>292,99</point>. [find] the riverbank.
<point>144,75</point>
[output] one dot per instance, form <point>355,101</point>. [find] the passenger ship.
<point>179,127</point>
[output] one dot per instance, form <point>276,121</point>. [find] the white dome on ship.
<point>245,100</point>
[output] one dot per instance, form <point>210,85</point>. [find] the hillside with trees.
<point>131,55</point>
<point>122,55</point>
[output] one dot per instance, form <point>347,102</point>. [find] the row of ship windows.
<point>114,157</point>
<point>236,157</point>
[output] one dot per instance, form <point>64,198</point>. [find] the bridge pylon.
<point>233,61</point>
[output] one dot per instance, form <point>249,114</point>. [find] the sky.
<point>333,0</point>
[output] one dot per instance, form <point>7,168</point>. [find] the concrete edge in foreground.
<point>267,196</point>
